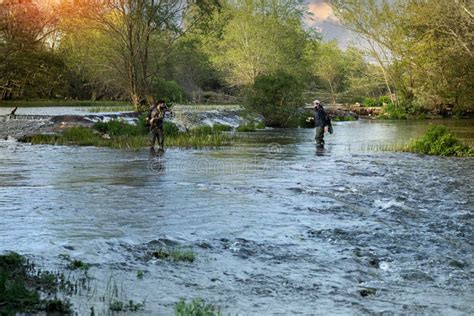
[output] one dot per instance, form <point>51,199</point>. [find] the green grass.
<point>23,288</point>
<point>104,109</point>
<point>250,127</point>
<point>131,306</point>
<point>78,264</point>
<point>67,103</point>
<point>122,135</point>
<point>176,255</point>
<point>196,307</point>
<point>439,141</point>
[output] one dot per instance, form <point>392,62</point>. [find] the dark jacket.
<point>320,117</point>
<point>156,116</point>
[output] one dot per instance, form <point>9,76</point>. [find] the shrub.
<point>276,97</point>
<point>196,308</point>
<point>439,141</point>
<point>393,112</point>
<point>377,102</point>
<point>370,102</point>
<point>23,288</point>
<point>170,91</point>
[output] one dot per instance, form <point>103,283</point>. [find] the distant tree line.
<point>138,50</point>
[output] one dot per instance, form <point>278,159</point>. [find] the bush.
<point>170,91</point>
<point>276,97</point>
<point>439,141</point>
<point>25,289</point>
<point>370,102</point>
<point>403,111</point>
<point>393,112</point>
<point>381,101</point>
<point>196,308</point>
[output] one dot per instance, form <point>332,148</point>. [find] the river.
<point>277,227</point>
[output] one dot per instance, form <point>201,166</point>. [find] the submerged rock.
<point>366,291</point>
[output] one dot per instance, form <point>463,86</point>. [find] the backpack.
<point>329,124</point>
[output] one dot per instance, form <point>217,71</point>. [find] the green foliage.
<point>403,111</point>
<point>411,39</point>
<point>253,38</point>
<point>135,137</point>
<point>196,307</point>
<point>276,97</point>
<point>221,128</point>
<point>303,119</point>
<point>393,112</point>
<point>175,255</point>
<point>131,306</point>
<point>22,287</point>
<point>167,90</point>
<point>78,264</point>
<point>377,102</point>
<point>346,118</point>
<point>439,141</point>
<point>250,127</point>
<point>121,128</point>
<point>65,103</point>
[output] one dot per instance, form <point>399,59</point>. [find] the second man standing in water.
<point>322,123</point>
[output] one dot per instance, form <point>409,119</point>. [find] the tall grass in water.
<point>119,134</point>
<point>437,141</point>
<point>196,307</point>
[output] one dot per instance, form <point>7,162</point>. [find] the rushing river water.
<point>277,227</point>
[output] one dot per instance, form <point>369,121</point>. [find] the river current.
<point>277,227</point>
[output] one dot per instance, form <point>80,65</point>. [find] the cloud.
<point>321,11</point>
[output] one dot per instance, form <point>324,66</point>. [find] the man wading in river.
<point>155,121</point>
<point>322,123</point>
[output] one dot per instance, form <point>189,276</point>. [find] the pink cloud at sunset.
<point>321,11</point>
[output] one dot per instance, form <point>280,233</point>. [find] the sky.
<point>323,19</point>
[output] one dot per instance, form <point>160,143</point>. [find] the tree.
<point>258,37</point>
<point>424,48</point>
<point>138,32</point>
<point>276,97</point>
<point>28,65</point>
<point>330,65</point>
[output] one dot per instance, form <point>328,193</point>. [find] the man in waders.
<point>155,120</point>
<point>322,123</point>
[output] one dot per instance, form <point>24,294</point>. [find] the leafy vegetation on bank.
<point>402,112</point>
<point>196,307</point>
<point>119,134</point>
<point>250,127</point>
<point>276,97</point>
<point>23,288</point>
<point>377,102</point>
<point>439,141</point>
<point>65,103</point>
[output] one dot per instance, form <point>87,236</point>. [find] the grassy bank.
<point>437,141</point>
<point>119,134</point>
<point>66,103</point>
<point>26,289</point>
